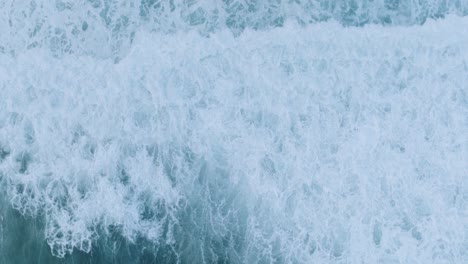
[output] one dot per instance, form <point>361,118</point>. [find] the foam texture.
<point>291,144</point>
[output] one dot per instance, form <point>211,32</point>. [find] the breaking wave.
<point>234,131</point>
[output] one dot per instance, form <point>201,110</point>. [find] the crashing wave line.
<point>106,28</point>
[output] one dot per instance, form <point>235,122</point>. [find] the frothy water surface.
<point>276,133</point>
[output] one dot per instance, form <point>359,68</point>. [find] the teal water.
<point>233,131</point>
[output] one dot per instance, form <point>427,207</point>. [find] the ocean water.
<point>300,131</point>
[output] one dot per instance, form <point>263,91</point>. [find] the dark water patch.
<point>23,160</point>
<point>22,238</point>
<point>112,247</point>
<point>4,152</point>
<point>29,133</point>
<point>192,239</point>
<point>123,175</point>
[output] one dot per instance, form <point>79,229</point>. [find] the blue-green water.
<point>233,131</point>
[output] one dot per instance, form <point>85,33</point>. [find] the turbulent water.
<point>234,131</point>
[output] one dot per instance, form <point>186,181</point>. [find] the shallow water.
<point>233,132</point>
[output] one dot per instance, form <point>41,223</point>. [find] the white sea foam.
<point>106,28</point>
<point>294,145</point>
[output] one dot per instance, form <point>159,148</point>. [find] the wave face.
<point>233,132</point>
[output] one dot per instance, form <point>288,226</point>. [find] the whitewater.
<point>233,131</point>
